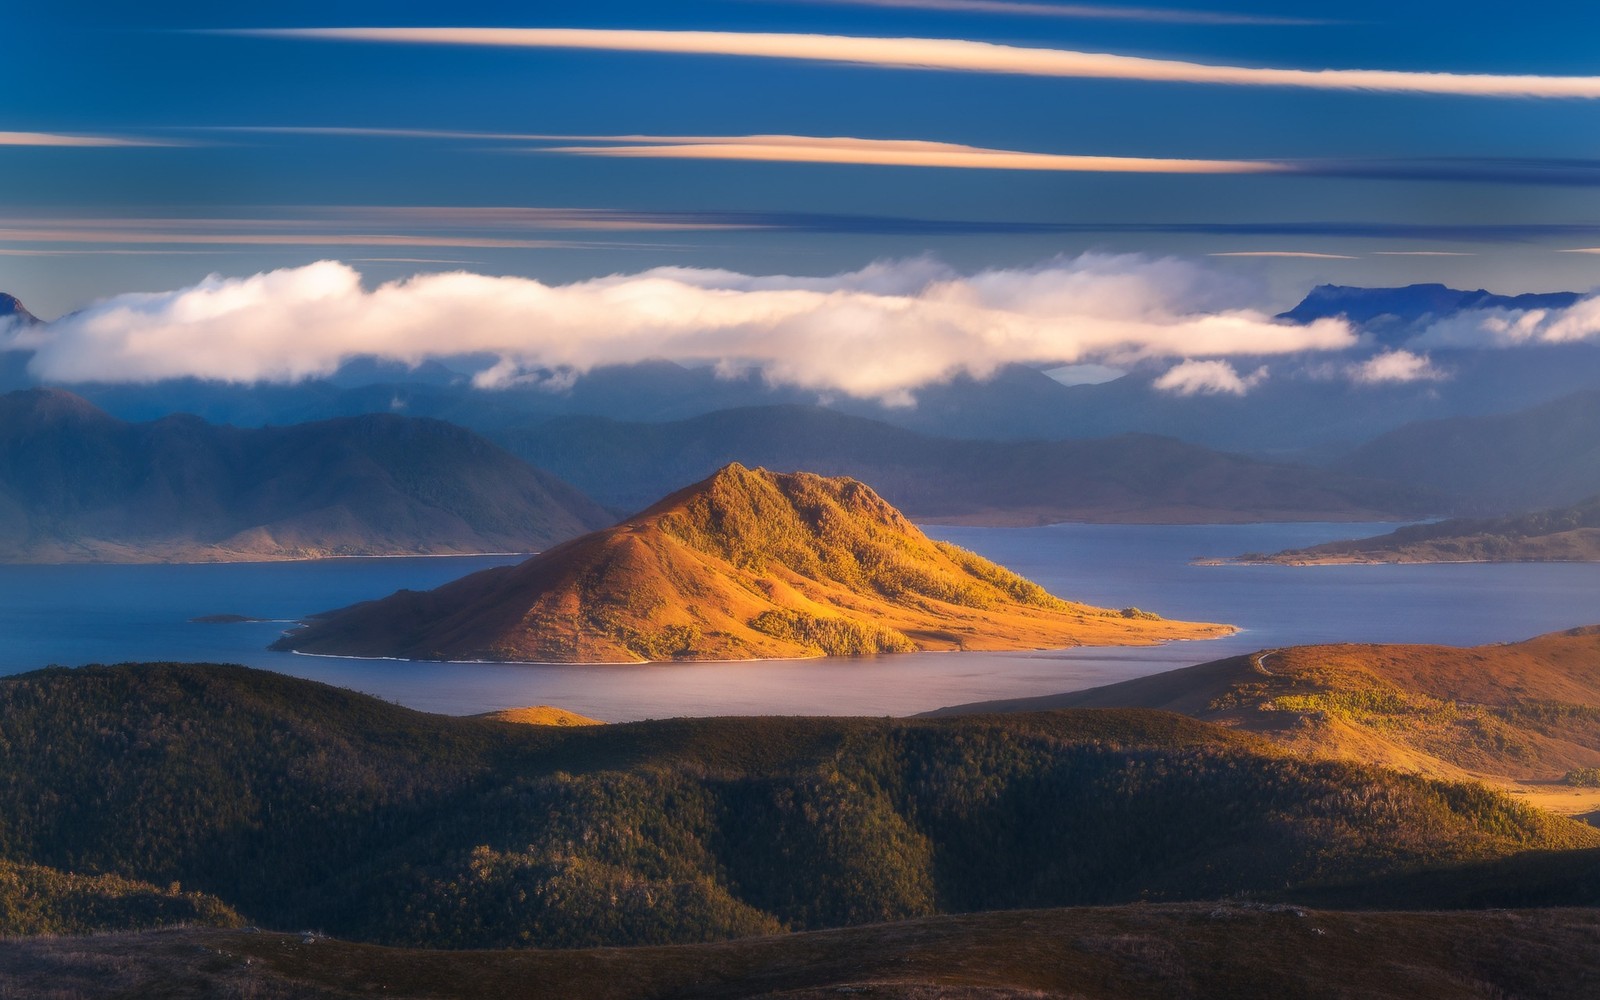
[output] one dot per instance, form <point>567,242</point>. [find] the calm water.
<point>84,614</point>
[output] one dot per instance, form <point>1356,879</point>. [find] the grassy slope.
<point>1519,716</point>
<point>302,805</point>
<point>1203,952</point>
<point>746,564</point>
<point>1567,534</point>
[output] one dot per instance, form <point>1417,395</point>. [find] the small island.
<point>747,564</point>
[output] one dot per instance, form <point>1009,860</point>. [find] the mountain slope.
<point>1566,534</point>
<point>302,805</point>
<point>1523,716</point>
<point>1545,456</point>
<point>1133,477</point>
<point>79,485</point>
<point>746,564</point>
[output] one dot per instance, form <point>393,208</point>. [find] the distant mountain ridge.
<point>746,564</point>
<point>79,485</point>
<point>1127,478</point>
<point>1393,315</point>
<point>1544,456</point>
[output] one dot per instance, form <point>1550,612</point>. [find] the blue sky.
<point>1379,185</point>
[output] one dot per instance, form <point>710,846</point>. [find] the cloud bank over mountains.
<point>878,332</point>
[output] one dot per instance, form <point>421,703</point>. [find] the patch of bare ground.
<point>1193,951</point>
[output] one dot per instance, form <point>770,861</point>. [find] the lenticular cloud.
<point>879,332</point>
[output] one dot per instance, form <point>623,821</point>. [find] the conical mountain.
<point>746,564</point>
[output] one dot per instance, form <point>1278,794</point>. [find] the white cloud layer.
<point>1393,367</point>
<point>1208,378</point>
<point>879,332</point>
<point>1516,328</point>
<point>959,55</point>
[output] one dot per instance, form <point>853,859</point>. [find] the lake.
<point>84,614</point>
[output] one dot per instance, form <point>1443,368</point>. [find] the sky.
<point>1271,144</point>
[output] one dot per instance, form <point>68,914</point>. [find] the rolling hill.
<point>1523,716</point>
<point>1129,478</point>
<point>300,805</point>
<point>1567,534</point>
<point>78,485</point>
<point>746,564</point>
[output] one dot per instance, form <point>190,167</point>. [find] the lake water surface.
<point>107,614</point>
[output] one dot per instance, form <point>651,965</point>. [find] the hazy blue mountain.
<point>12,309</point>
<point>1395,315</point>
<point>78,484</point>
<point>1545,456</point>
<point>1131,477</point>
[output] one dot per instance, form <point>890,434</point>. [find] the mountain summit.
<point>746,564</point>
<point>12,308</point>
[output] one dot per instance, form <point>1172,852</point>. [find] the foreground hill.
<point>1127,478</point>
<point>1212,951</point>
<point>746,564</point>
<point>1546,456</point>
<point>1522,716</point>
<point>301,805</point>
<point>1568,534</point>
<point>78,485</point>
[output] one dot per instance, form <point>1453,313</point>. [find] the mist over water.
<point>81,614</point>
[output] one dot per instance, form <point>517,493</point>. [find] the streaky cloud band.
<point>1082,11</point>
<point>955,54</point>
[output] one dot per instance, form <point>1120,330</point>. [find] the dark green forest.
<point>300,805</point>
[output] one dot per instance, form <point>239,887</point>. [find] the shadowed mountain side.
<point>747,564</point>
<point>78,485</point>
<point>1131,478</point>
<point>1546,456</point>
<point>1567,534</point>
<point>1208,951</point>
<point>1524,716</point>
<point>302,805</point>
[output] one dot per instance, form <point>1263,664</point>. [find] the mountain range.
<point>745,564</point>
<point>1544,456</point>
<point>79,485</point>
<point>1128,478</point>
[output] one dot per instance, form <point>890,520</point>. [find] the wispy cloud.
<point>1208,378</point>
<point>1516,327</point>
<point>878,332</point>
<point>1078,11</point>
<point>1421,253</point>
<point>1395,367</point>
<point>785,148</point>
<point>960,55</point>
<point>1310,255</point>
<point>898,153</point>
<point>64,140</point>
